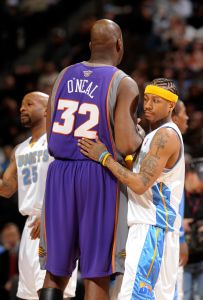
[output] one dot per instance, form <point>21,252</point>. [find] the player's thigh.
<point>61,219</point>
<point>168,275</point>
<point>30,276</point>
<point>144,251</point>
<point>97,206</point>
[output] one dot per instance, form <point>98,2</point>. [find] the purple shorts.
<point>80,217</point>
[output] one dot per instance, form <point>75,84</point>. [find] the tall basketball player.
<point>155,189</point>
<point>92,98</point>
<point>27,174</point>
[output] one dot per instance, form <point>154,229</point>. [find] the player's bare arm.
<point>164,152</point>
<point>9,183</point>
<point>127,137</point>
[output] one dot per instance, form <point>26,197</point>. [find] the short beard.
<point>27,124</point>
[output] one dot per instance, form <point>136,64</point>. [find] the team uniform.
<point>179,285</point>
<point>32,162</point>
<point>81,200</point>
<point>152,249</point>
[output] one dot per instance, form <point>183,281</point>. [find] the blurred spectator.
<point>194,136</point>
<point>167,8</point>
<point>193,223</point>
<point>47,78</point>
<point>10,239</point>
<point>57,49</point>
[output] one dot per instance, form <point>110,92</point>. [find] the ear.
<point>172,105</point>
<point>45,112</point>
<point>174,118</point>
<point>118,45</point>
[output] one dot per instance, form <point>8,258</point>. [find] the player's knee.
<point>55,282</point>
<point>100,282</point>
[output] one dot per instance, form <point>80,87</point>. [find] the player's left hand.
<point>184,254</point>
<point>35,232</point>
<point>91,149</point>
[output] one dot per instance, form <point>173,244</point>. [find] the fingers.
<point>86,141</point>
<point>83,146</point>
<point>84,152</point>
<point>35,232</point>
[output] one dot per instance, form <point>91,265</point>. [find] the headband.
<point>156,90</point>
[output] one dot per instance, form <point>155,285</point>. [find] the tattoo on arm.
<point>160,141</point>
<point>148,168</point>
<point>122,171</point>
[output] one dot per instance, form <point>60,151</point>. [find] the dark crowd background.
<point>162,39</point>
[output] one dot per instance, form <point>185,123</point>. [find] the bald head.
<point>41,98</point>
<point>106,42</point>
<point>105,32</point>
<point>33,109</point>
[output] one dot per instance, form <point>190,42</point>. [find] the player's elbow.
<point>126,148</point>
<point>139,190</point>
<point>128,145</point>
<point>8,194</point>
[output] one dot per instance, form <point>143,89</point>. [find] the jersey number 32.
<point>70,108</point>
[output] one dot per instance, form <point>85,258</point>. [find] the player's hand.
<point>186,224</point>
<point>35,232</point>
<point>193,183</point>
<point>91,149</point>
<point>184,254</point>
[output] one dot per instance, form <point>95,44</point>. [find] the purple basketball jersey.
<point>81,199</point>
<point>80,110</point>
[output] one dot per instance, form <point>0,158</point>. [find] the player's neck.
<point>101,59</point>
<point>96,63</point>
<point>37,131</point>
<point>159,123</point>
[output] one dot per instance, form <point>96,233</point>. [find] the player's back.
<point>84,99</point>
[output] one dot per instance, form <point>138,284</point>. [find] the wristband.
<point>105,158</point>
<point>102,156</point>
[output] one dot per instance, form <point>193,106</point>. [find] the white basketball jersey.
<point>32,163</point>
<point>159,205</point>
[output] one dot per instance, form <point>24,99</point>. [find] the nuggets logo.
<point>41,252</point>
<point>122,253</point>
<point>145,289</point>
<point>87,73</point>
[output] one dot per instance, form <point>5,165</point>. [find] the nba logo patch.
<point>87,73</point>
<point>145,289</point>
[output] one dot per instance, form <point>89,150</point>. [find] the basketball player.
<point>27,174</point>
<point>180,118</point>
<point>155,188</point>
<point>92,98</point>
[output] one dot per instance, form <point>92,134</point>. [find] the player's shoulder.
<point>167,138</point>
<point>23,144</point>
<point>128,84</point>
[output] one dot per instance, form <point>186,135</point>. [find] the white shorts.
<point>31,277</point>
<point>151,265</point>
